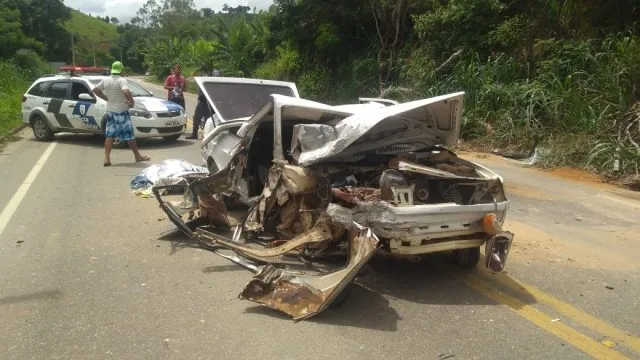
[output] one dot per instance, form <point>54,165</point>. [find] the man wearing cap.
<point>115,91</point>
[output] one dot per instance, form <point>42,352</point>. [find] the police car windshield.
<point>135,88</point>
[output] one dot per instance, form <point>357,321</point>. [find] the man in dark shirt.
<point>202,112</point>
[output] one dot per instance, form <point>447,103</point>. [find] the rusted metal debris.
<point>303,296</point>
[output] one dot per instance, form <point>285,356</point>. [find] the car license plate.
<point>172,123</point>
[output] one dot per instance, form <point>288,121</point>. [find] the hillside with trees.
<point>561,74</point>
<point>93,36</point>
<point>34,32</point>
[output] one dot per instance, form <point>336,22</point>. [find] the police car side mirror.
<point>86,97</point>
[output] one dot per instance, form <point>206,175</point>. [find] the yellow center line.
<point>542,320</point>
<point>580,316</point>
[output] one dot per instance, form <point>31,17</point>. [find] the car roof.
<point>60,77</point>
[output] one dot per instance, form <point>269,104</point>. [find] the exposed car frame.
<point>351,180</point>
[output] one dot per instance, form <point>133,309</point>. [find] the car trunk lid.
<point>234,98</point>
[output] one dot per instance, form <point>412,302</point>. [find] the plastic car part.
<point>497,250</point>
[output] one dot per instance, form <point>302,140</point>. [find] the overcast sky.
<point>124,10</point>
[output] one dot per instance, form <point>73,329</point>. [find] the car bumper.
<point>154,127</point>
<point>25,116</point>
<point>423,229</point>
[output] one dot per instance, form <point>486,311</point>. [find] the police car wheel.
<point>41,129</point>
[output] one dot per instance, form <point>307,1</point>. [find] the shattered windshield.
<point>242,100</point>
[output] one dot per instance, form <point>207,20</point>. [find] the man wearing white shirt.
<point>115,91</point>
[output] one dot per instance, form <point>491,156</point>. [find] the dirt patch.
<point>564,173</point>
<point>578,175</point>
<point>521,190</point>
<point>534,244</point>
<point>471,155</point>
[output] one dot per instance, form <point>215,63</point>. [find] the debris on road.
<point>375,180</point>
<point>169,172</point>
<point>608,343</point>
<point>609,287</point>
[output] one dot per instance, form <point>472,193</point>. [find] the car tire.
<point>172,138</point>
<point>41,129</point>
<point>467,258</point>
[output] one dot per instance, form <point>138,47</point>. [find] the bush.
<point>14,81</point>
<point>31,63</point>
<point>573,96</point>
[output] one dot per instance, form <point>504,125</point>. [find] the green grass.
<point>13,84</point>
<point>92,34</point>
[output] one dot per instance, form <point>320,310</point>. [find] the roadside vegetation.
<point>13,83</point>
<point>36,31</point>
<point>93,36</point>
<point>559,74</point>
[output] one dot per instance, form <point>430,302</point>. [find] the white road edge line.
<point>15,201</point>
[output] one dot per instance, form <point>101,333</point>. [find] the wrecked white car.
<point>312,181</point>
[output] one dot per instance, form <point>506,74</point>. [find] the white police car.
<point>64,103</point>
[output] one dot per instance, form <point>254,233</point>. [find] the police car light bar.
<point>83,69</point>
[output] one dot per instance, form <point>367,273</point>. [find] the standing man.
<point>202,112</point>
<point>115,91</point>
<point>174,84</point>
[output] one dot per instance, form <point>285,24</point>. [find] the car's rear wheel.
<point>172,137</point>
<point>467,258</point>
<point>41,129</point>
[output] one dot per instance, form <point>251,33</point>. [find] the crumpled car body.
<point>308,180</point>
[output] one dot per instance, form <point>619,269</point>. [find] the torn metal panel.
<point>407,166</point>
<point>172,214</point>
<point>311,136</point>
<point>319,233</point>
<point>213,210</point>
<point>421,123</point>
<point>303,296</point>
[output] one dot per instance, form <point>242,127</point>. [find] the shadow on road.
<point>435,280</point>
<point>365,308</point>
<point>376,315</point>
<point>178,241</point>
<point>222,268</point>
<point>39,295</point>
<point>132,164</point>
<point>97,141</point>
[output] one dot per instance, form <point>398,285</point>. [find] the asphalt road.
<point>90,271</point>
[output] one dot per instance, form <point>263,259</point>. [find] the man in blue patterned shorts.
<point>115,91</point>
